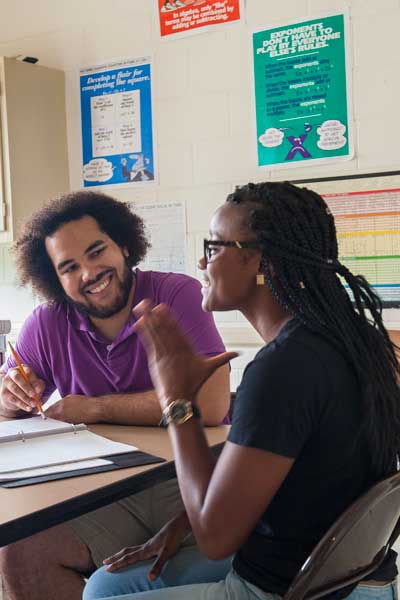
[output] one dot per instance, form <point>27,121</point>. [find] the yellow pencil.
<point>25,376</point>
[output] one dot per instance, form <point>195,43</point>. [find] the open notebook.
<point>31,444</point>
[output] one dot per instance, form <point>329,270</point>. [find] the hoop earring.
<point>260,279</point>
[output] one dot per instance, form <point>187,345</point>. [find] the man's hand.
<point>75,409</point>
<point>163,545</point>
<point>16,394</point>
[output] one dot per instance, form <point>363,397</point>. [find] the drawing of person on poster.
<point>135,168</point>
<point>297,143</point>
<point>139,170</point>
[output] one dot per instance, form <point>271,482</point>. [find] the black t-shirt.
<point>299,398</point>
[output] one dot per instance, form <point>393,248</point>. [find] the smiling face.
<point>230,273</point>
<point>91,268</point>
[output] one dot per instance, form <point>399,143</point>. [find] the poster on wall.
<point>166,228</point>
<point>302,92</point>
<point>116,119</point>
<point>368,231</point>
<point>192,16</point>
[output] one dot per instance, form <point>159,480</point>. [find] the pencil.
<point>25,376</point>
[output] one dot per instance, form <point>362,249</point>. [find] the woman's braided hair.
<point>297,237</point>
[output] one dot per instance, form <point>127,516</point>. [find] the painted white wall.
<point>203,102</point>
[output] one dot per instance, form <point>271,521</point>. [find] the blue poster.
<point>116,117</point>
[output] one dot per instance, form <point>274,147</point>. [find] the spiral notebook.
<point>32,447</point>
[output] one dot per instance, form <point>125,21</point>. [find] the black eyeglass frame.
<point>230,243</point>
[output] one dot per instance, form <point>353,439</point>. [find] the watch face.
<point>178,412</point>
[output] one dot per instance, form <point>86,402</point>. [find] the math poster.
<point>192,16</point>
<point>302,92</point>
<point>117,129</point>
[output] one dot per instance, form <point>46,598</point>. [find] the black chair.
<point>354,546</point>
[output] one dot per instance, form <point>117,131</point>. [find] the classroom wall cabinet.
<point>33,150</point>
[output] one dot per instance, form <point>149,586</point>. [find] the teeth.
<point>100,287</point>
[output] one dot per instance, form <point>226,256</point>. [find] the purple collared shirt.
<point>62,348</point>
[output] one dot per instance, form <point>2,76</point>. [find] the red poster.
<point>183,16</point>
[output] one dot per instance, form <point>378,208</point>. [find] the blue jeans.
<point>190,576</point>
<point>364,592</point>
<point>188,566</point>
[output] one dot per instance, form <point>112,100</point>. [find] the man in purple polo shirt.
<point>78,254</point>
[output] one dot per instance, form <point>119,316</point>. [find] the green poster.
<point>301,92</point>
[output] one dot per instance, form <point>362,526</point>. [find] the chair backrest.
<point>394,335</point>
<point>354,546</point>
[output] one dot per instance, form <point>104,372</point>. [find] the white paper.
<point>80,464</point>
<point>32,425</point>
<point>116,123</point>
<point>166,226</point>
<point>57,449</point>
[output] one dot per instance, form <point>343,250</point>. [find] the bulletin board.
<point>366,209</point>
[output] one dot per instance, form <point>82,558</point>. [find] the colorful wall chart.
<point>186,16</point>
<point>302,92</point>
<point>116,116</point>
<point>368,229</point>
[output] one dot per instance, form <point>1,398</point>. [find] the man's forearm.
<point>141,408</point>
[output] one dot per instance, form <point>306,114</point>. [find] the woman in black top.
<point>317,416</point>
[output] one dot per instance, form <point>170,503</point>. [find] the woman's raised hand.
<point>176,371</point>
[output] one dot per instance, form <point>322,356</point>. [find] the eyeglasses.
<point>210,244</point>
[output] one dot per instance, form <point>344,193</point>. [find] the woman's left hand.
<point>163,545</point>
<point>176,371</point>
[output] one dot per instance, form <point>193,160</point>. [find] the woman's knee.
<point>96,585</point>
<point>103,584</point>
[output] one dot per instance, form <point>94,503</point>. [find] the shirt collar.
<point>77,319</point>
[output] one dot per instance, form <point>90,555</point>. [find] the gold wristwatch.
<point>178,412</point>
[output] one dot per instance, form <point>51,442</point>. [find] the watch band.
<point>178,412</point>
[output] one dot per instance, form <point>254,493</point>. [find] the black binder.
<point>119,461</point>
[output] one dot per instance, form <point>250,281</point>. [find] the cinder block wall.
<point>203,112</point>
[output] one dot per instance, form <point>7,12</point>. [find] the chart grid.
<point>368,230</point>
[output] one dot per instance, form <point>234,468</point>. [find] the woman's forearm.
<point>194,466</point>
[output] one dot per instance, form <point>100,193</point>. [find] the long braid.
<point>297,237</point>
